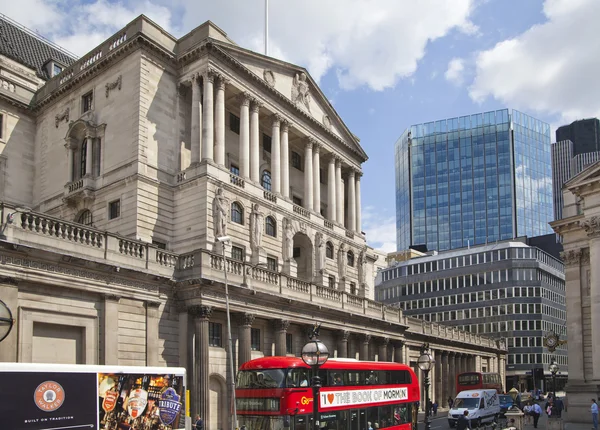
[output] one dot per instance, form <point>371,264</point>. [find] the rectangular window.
<point>331,281</point>
<point>255,339</point>
<point>214,334</point>
<point>160,245</point>
<point>272,264</point>
<point>87,102</point>
<point>234,169</point>
<point>353,288</point>
<point>234,123</point>
<point>1,126</point>
<point>56,69</point>
<point>296,160</point>
<point>297,200</point>
<point>237,253</point>
<point>114,209</point>
<point>289,345</point>
<point>266,143</point>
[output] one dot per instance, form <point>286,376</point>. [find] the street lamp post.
<point>554,371</point>
<point>426,362</point>
<point>6,321</point>
<point>315,354</point>
<point>224,240</point>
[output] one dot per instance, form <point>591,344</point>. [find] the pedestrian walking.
<point>450,402</point>
<point>463,422</point>
<point>536,411</point>
<point>199,424</point>
<point>434,407</point>
<point>594,410</point>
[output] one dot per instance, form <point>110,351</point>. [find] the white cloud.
<point>454,74</point>
<point>551,68</point>
<point>380,229</point>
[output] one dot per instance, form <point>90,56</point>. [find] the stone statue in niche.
<point>320,247</point>
<point>342,261</point>
<point>362,266</point>
<point>300,91</point>
<point>220,213</point>
<point>288,240</point>
<point>257,223</point>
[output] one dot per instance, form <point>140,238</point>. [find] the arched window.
<point>85,218</point>
<point>237,213</point>
<point>329,250</point>
<point>350,258</point>
<point>266,180</point>
<point>270,226</point>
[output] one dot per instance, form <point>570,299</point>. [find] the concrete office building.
<point>121,168</point>
<point>473,180</point>
<point>507,290</point>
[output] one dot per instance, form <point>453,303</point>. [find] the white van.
<point>483,407</point>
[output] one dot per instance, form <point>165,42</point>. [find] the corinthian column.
<point>339,204</point>
<point>281,326</point>
<point>285,159</point>
<point>254,142</point>
<point>308,175</point>
<point>220,122</point>
<point>196,137</point>
<point>316,179</point>
<point>200,383</point>
<point>364,352</point>
<point>244,99</point>
<point>343,344</point>
<point>572,261</point>
<point>275,156</point>
<point>383,347</point>
<point>208,119</point>
<point>358,204</point>
<point>331,186</point>
<point>351,201</point>
<point>245,352</point>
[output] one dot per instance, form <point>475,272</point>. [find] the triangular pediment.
<point>590,174</point>
<point>296,85</point>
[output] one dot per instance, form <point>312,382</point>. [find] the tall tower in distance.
<point>584,133</point>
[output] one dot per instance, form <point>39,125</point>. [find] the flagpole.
<point>266,27</point>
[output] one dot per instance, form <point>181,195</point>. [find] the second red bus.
<point>478,381</point>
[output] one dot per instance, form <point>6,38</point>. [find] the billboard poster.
<point>91,401</point>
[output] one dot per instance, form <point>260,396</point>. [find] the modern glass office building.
<point>473,180</point>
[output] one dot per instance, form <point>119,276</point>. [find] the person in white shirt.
<point>594,410</point>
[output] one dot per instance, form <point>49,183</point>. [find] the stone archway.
<point>304,256</point>
<point>218,410</point>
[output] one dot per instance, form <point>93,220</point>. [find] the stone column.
<point>111,327</point>
<point>196,137</point>
<point>207,117</point>
<point>244,99</point>
<point>220,122</point>
<point>254,142</point>
<point>282,327</point>
<point>245,352</point>
<point>152,319</point>
<point>364,351</point>
<point>452,374</point>
<point>592,228</point>
<point>383,347</point>
<point>439,378</point>
<point>351,201</point>
<point>308,175</point>
<point>200,383</point>
<point>184,336</point>
<point>398,352</point>
<point>285,159</point>
<point>88,156</point>
<point>276,156</point>
<point>316,179</point>
<point>339,203</point>
<point>445,380</point>
<point>358,204</point>
<point>331,186</point>
<point>343,344</point>
<point>70,173</point>
<point>572,261</point>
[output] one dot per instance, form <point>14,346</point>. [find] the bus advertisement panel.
<point>50,397</point>
<point>274,393</point>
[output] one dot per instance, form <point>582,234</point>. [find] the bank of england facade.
<point>122,169</point>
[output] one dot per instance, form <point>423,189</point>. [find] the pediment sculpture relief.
<point>269,77</point>
<point>327,122</point>
<point>301,91</point>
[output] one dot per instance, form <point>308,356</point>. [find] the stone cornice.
<point>566,225</point>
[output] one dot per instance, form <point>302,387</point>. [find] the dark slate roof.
<point>22,45</point>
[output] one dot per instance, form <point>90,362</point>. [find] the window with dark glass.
<point>297,200</point>
<point>234,169</point>
<point>289,345</point>
<point>237,253</point>
<point>82,159</point>
<point>270,226</point>
<point>296,160</point>
<point>353,288</point>
<point>87,101</point>
<point>1,126</point>
<point>85,218</point>
<point>56,69</point>
<point>329,250</point>
<point>255,339</point>
<point>214,334</point>
<point>332,281</point>
<point>114,209</point>
<point>266,180</point>
<point>266,143</point>
<point>272,264</point>
<point>350,258</point>
<point>296,252</point>
<point>159,245</point>
<point>237,213</point>
<point>234,123</point>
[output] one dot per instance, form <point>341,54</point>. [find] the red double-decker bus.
<point>274,393</point>
<point>478,381</point>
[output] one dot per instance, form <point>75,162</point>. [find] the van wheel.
<point>478,423</point>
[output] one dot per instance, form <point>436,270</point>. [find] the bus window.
<point>297,378</point>
<point>267,378</point>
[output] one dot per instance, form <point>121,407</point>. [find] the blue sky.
<point>384,64</point>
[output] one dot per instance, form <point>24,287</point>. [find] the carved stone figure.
<point>257,223</point>
<point>320,247</point>
<point>269,77</point>
<point>300,90</point>
<point>288,240</point>
<point>327,122</point>
<point>362,266</point>
<point>220,213</point>
<point>342,261</point>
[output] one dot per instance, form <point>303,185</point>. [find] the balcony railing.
<point>301,211</point>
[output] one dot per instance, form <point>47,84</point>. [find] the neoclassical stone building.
<point>122,168</point>
<point>580,229</point>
